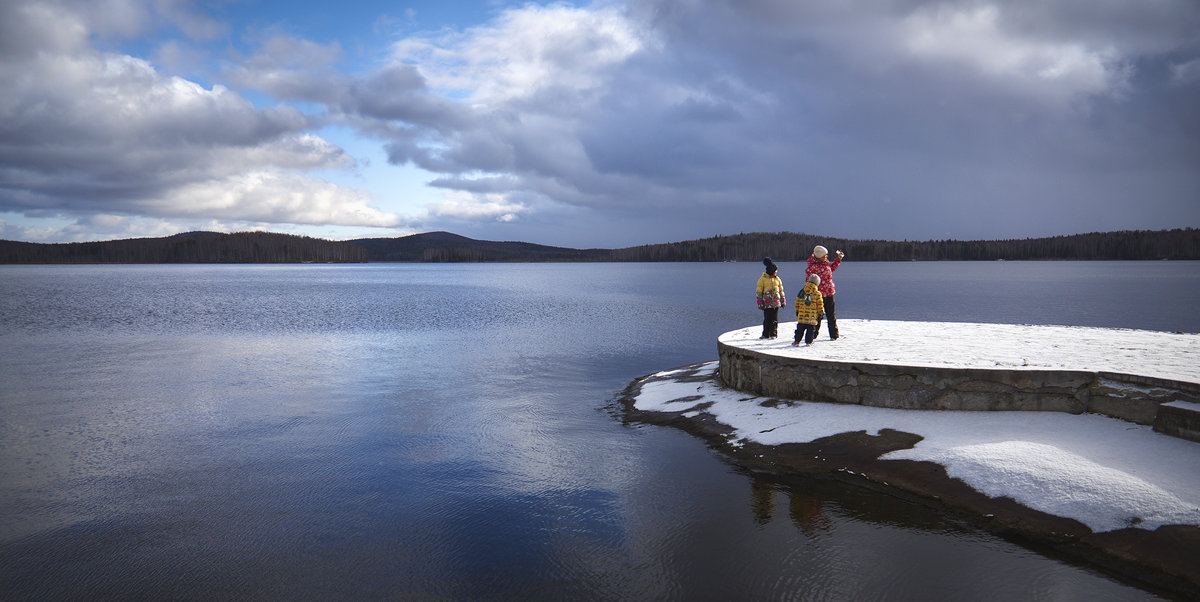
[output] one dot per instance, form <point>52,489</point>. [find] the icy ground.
<point>969,345</point>
<point>1104,472</point>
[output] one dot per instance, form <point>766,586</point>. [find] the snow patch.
<point>1058,482</point>
<point>670,372</point>
<point>659,395</point>
<point>1127,387</point>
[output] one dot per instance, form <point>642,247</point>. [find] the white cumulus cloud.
<point>466,205</point>
<point>85,132</point>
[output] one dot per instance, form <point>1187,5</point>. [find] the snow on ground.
<point>971,345</point>
<point>1104,472</point>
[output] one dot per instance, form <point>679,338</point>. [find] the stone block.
<point>985,386</point>
<point>1059,402</point>
<point>1139,410</point>
<point>1182,422</point>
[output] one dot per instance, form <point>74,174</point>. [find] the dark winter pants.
<point>833,333</point>
<point>807,331</point>
<point>770,322</point>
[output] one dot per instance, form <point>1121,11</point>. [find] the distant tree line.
<point>191,247</point>
<point>453,255</point>
<point>437,247</point>
<point>788,246</point>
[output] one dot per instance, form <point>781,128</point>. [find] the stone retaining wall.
<point>1129,397</point>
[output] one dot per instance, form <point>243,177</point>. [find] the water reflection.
<point>805,510</point>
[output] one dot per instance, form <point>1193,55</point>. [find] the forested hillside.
<point>787,246</point>
<point>190,247</point>
<point>446,247</point>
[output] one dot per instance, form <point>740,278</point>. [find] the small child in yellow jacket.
<point>770,298</point>
<point>810,307</point>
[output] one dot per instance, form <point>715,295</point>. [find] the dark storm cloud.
<point>898,119</point>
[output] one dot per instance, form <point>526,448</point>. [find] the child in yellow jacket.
<point>770,298</point>
<point>810,307</point>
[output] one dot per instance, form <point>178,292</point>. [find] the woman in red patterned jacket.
<point>819,264</point>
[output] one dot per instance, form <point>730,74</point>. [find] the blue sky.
<point>598,124</point>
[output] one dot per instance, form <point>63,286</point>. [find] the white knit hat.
<point>820,251</point>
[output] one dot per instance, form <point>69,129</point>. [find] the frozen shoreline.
<point>1104,472</point>
<point>1104,489</point>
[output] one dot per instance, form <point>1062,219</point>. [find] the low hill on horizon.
<point>439,247</point>
<point>188,247</point>
<point>445,247</point>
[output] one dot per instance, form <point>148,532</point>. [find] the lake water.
<point>446,432</point>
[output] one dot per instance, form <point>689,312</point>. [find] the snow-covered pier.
<point>1096,487</point>
<point>1150,378</point>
